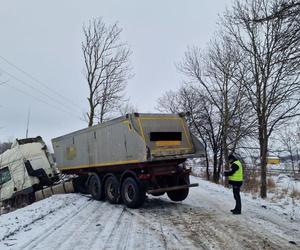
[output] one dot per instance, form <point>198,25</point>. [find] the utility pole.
<point>28,118</point>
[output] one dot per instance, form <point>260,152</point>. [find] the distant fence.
<point>274,171</point>
<point>270,171</point>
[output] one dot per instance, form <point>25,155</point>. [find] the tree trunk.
<point>207,163</point>
<point>298,159</point>
<point>263,159</point>
<point>91,114</point>
<point>225,158</point>
<point>215,174</point>
<point>292,160</point>
<point>220,164</point>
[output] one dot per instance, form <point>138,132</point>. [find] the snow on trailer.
<point>127,157</point>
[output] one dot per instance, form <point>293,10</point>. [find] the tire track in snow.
<point>152,218</point>
<point>177,216</point>
<point>69,233</point>
<point>207,229</point>
<point>111,224</point>
<point>53,228</point>
<point>243,228</point>
<point>88,233</point>
<point>120,233</point>
<point>36,219</point>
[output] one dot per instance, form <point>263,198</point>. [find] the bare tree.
<point>281,9</point>
<point>224,71</point>
<point>271,49</point>
<point>290,143</point>
<point>188,99</point>
<point>107,68</point>
<point>202,120</point>
<point>169,102</point>
<point>219,111</point>
<point>206,124</point>
<point>219,73</point>
<point>127,108</point>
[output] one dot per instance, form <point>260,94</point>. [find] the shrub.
<point>271,184</point>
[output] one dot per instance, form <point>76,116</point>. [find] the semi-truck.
<point>124,159</point>
<point>24,169</point>
<point>120,160</point>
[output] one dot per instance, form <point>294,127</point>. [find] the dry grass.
<point>252,186</point>
<point>295,194</point>
<point>251,182</point>
<point>204,176</point>
<point>281,194</point>
<point>285,191</point>
<point>271,185</point>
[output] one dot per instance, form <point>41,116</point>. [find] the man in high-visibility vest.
<point>235,177</point>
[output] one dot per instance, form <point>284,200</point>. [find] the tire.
<point>181,194</point>
<point>178,195</point>
<point>112,190</point>
<point>80,185</point>
<point>158,194</point>
<point>133,194</point>
<point>95,187</point>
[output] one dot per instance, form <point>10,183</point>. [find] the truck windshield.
<point>4,175</point>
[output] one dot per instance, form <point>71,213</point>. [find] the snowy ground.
<point>202,221</point>
<point>284,196</point>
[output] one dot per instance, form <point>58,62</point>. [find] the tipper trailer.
<point>125,158</point>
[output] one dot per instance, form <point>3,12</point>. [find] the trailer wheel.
<point>133,194</point>
<point>80,184</point>
<point>178,195</point>
<point>181,194</point>
<point>112,187</point>
<point>95,187</point>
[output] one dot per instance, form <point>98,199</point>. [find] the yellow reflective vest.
<point>238,175</point>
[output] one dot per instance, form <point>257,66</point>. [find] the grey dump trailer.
<point>125,158</point>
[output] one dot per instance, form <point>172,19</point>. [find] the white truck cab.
<point>25,168</point>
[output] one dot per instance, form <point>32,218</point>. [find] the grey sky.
<point>44,39</point>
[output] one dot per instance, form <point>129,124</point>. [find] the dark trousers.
<point>236,194</point>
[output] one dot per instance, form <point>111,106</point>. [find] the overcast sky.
<point>44,39</point>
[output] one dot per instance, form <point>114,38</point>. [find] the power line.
<point>38,81</point>
<point>43,101</point>
<point>2,83</point>
<point>33,87</point>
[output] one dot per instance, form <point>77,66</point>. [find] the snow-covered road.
<point>203,221</point>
